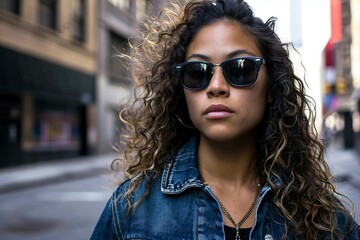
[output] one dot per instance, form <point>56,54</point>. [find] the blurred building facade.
<point>342,78</point>
<point>118,21</point>
<point>60,82</point>
<point>355,47</point>
<point>48,69</point>
<point>355,61</point>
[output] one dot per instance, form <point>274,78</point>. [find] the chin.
<point>221,136</point>
<point>227,134</point>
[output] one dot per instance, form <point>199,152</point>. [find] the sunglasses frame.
<point>257,60</point>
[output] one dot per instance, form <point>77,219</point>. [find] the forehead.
<point>220,38</point>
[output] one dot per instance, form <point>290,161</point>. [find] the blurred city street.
<point>63,199</point>
<point>62,85</point>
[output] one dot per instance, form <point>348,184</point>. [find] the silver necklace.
<point>244,218</point>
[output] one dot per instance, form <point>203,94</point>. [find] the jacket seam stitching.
<point>116,222</point>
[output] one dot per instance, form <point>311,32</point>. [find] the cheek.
<point>258,101</point>
<point>262,101</point>
<point>191,102</point>
<point>262,87</point>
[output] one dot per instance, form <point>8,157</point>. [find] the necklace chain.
<point>245,217</point>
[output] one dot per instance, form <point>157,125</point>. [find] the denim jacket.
<point>180,206</point>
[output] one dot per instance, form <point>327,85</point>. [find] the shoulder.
<point>347,225</point>
<point>130,190</point>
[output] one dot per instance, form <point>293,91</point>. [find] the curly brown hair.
<point>288,145</point>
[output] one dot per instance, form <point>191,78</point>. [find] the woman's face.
<point>222,112</point>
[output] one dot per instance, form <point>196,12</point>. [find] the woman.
<point>220,145</point>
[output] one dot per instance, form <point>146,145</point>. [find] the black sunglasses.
<point>238,72</point>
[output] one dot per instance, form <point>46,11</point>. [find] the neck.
<point>228,162</point>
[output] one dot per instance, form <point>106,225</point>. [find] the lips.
<point>218,111</point>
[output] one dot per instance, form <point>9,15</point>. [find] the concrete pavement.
<point>41,173</point>
<point>345,164</point>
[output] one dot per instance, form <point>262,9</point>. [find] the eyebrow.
<point>230,55</point>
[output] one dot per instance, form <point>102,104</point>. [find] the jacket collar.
<point>183,172</point>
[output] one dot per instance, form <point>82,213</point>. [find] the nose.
<point>218,86</point>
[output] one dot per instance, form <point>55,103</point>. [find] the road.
<point>66,210</point>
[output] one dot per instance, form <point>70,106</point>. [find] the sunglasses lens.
<point>195,75</point>
<point>240,72</point>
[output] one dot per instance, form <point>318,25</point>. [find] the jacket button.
<point>268,237</point>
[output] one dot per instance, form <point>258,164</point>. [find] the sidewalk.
<point>345,164</point>
<point>41,173</point>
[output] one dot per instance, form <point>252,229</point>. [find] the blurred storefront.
<point>61,83</point>
<point>44,107</point>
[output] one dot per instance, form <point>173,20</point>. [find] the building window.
<point>78,26</point>
<point>48,13</point>
<point>117,67</point>
<point>121,4</point>
<point>11,6</point>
